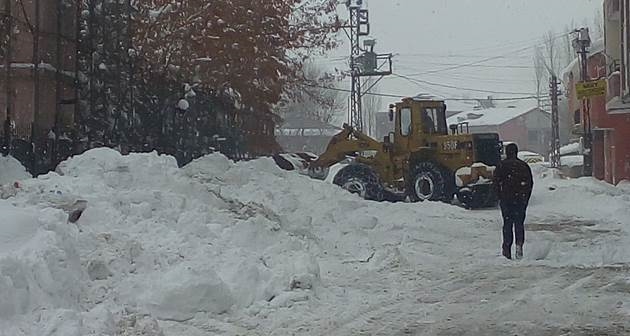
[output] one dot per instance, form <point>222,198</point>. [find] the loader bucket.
<point>295,161</point>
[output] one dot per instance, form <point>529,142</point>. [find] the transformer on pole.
<point>363,62</point>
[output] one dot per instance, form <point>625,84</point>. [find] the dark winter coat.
<point>513,181</point>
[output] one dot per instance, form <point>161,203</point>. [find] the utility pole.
<point>358,19</point>
<point>363,62</point>
<point>582,43</point>
<point>555,125</point>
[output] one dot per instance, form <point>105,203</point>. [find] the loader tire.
<point>428,182</point>
<point>362,180</point>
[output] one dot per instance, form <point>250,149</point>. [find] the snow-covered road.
<point>217,248</point>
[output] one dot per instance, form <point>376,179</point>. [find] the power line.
<point>415,80</point>
<point>401,96</point>
<point>489,58</point>
<point>466,75</point>
<point>501,45</point>
<point>470,63</point>
<point>476,78</point>
<point>485,65</point>
<point>512,81</point>
<point>442,56</point>
<point>495,48</point>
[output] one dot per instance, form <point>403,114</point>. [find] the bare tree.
<point>540,75</point>
<point>316,98</point>
<point>551,54</point>
<point>567,46</point>
<point>546,60</point>
<point>371,106</point>
<point>550,57</point>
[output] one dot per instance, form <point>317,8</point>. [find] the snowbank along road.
<point>217,248</point>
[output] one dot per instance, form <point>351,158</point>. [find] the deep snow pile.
<point>11,170</point>
<point>248,249</point>
<point>155,240</point>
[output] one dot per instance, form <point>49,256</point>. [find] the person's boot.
<point>507,252</point>
<point>519,251</point>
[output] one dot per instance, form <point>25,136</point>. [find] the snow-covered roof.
<point>493,116</point>
<point>570,148</point>
<point>573,66</point>
<point>459,106</point>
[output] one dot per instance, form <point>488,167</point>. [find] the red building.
<point>612,124</point>
<point>610,115</point>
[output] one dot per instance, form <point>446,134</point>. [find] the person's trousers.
<point>513,222</point>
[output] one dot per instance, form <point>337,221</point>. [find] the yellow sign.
<point>591,89</point>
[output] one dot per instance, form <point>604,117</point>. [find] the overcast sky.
<point>429,35</point>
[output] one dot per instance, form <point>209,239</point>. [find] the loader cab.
<point>416,119</point>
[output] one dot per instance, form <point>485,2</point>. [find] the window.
<point>405,121</point>
<point>532,136</point>
<point>577,117</point>
<point>429,118</point>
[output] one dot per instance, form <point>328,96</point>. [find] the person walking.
<point>513,182</point>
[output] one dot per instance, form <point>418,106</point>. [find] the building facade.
<point>527,126</point>
<point>609,115</point>
<point>38,60</point>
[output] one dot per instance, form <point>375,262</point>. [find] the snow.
<point>572,160</point>
<point>573,66</point>
<point>464,171</point>
<point>458,106</point>
<point>183,104</point>
<point>224,248</point>
<point>492,116</point>
<point>42,66</point>
<point>527,153</point>
<point>572,148</point>
<point>11,170</point>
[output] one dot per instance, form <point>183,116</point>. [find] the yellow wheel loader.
<point>422,160</point>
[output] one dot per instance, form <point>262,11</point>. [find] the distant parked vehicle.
<point>531,157</point>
